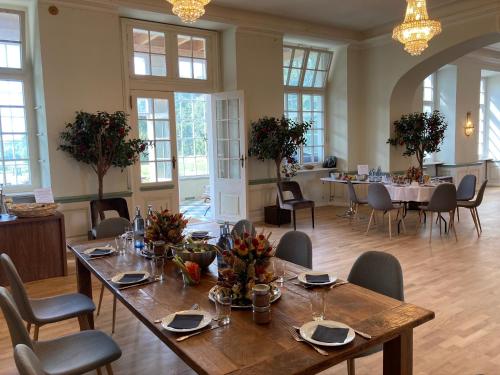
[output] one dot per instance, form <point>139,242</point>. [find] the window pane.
<point>285,75</point>
<point>306,102</point>
<point>294,77</point>
<point>141,40</point>
<point>141,63</point>
<point>158,65</point>
<point>428,94</point>
<point>298,58</point>
<point>17,173</point>
<point>427,108</point>
<point>324,61</point>
<point>161,109</point>
<point>11,93</point>
<point>149,53</point>
<point>157,42</point>
<point>162,149</point>
<point>10,27</point>
<point>308,78</point>
<point>292,102</point>
<point>318,120</point>
<point>199,69</point>
<point>10,55</point>
<point>318,103</point>
<point>287,56</point>
<point>148,172</point>
<point>199,48</point>
<point>185,67</point>
<point>308,155</point>
<point>12,120</point>
<point>320,79</point>
<point>312,60</point>
<point>428,82</point>
<point>162,129</point>
<point>184,46</point>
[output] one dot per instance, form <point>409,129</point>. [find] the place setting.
<point>312,279</point>
<point>99,252</point>
<point>130,279</point>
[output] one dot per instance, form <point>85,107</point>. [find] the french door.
<point>229,178</point>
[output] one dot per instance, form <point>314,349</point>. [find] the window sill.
<point>156,187</point>
<point>316,169</point>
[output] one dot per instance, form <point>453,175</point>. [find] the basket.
<point>33,209</point>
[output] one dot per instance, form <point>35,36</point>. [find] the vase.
<point>188,281</point>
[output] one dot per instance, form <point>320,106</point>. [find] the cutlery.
<point>218,325</point>
<point>306,286</point>
<point>339,284</point>
<point>139,284</point>
<point>297,338</point>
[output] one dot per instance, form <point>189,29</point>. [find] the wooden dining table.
<point>244,347</point>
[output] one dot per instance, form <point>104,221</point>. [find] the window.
<point>482,119</point>
<point>10,40</point>
<point>154,126</point>
<point>192,57</point>
<point>149,53</point>
<point>306,68</point>
<point>429,94</point>
<point>191,111</point>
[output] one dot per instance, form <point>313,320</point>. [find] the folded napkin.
<point>98,252</point>
<point>132,277</point>
<point>186,321</point>
<point>330,335</point>
<point>318,279</point>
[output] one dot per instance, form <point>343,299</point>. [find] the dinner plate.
<point>207,318</point>
<point>109,250</point>
<point>275,295</point>
<point>302,278</point>
<point>307,330</point>
<point>116,279</point>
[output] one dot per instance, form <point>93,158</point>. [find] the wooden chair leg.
<point>472,213</point>
<point>28,327</point>
<point>109,369</point>
<point>458,214</point>
<point>478,220</point>
<point>294,222</point>
<point>114,315</point>
<point>84,322</point>
<point>100,300</point>
<point>351,368</point>
<point>403,225</point>
<point>430,231</point>
<point>390,226</point>
<point>98,370</point>
<point>370,221</point>
<point>452,221</point>
<point>312,215</point>
<point>35,335</point>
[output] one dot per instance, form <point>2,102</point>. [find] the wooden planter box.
<point>271,215</point>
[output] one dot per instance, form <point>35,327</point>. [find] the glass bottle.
<point>138,229</point>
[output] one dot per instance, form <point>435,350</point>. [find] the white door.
<point>229,178</point>
<point>155,176</point>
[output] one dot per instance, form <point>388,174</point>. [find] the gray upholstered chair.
<point>295,247</point>
<point>68,355</point>
<point>443,200</point>
<point>379,199</point>
<point>41,311</point>
<point>353,198</point>
<point>466,190</point>
<point>243,226</point>
<point>27,362</point>
<point>473,205</point>
<point>382,273</point>
<point>297,202</point>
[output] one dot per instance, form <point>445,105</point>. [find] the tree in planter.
<point>278,139</point>
<point>420,133</point>
<point>100,140</point>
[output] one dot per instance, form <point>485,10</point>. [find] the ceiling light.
<point>188,10</point>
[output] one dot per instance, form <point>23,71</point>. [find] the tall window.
<point>149,53</point>
<point>191,111</point>
<point>305,73</point>
<point>429,95</point>
<point>482,120</point>
<point>15,166</point>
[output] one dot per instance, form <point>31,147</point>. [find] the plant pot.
<point>271,215</point>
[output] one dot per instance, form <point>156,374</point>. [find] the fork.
<point>297,338</point>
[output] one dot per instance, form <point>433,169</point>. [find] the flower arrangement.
<point>167,227</point>
<point>413,174</point>
<point>191,271</point>
<point>248,263</point>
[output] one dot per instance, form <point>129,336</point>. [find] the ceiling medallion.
<point>417,29</point>
<point>188,10</point>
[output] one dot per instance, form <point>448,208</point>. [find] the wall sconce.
<point>469,126</point>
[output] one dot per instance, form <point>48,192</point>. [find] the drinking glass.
<point>279,270</point>
<point>318,304</point>
<point>121,244</point>
<point>157,267</point>
<point>223,307</point>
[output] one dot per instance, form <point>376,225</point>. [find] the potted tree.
<point>278,139</point>
<point>100,140</point>
<point>420,133</point>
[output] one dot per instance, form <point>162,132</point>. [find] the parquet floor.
<point>459,281</point>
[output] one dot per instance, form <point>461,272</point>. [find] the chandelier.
<point>188,10</point>
<point>417,29</point>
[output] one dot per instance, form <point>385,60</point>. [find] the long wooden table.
<point>244,347</point>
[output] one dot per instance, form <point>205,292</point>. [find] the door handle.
<point>174,161</point>
<point>242,159</point>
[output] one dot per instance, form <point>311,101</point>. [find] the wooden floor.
<point>459,281</point>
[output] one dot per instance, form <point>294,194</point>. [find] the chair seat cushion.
<point>57,308</point>
<point>466,204</point>
<point>297,204</point>
<point>77,353</point>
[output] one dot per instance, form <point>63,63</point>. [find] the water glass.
<point>279,268</point>
<point>318,304</point>
<point>223,308</point>
<point>121,244</point>
<point>157,267</point>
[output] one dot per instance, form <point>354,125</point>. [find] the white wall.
<point>447,103</point>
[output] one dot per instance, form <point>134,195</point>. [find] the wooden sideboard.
<point>36,245</point>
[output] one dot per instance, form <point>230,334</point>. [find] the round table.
<point>410,193</point>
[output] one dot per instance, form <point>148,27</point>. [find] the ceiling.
<point>358,15</point>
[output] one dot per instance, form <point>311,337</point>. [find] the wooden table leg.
<point>84,283</point>
<point>398,355</point>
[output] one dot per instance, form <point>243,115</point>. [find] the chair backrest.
<point>243,226</point>
<point>443,198</point>
<point>289,186</point>
<point>111,227</point>
<point>98,207</point>
<point>378,197</point>
<point>352,192</point>
<point>18,332</point>
<point>467,188</point>
<point>17,287</point>
<point>480,194</point>
<point>295,247</point>
<point>380,272</point>
<point>27,362</point>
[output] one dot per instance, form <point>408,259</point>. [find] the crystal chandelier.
<point>417,29</point>
<point>188,10</point>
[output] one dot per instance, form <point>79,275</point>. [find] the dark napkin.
<point>186,321</point>
<point>318,279</point>
<point>132,277</point>
<point>330,335</point>
<point>99,252</point>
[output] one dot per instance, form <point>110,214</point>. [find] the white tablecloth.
<point>410,193</point>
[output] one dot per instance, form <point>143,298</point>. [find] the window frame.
<point>483,126</point>
<point>433,104</point>
<point>303,69</point>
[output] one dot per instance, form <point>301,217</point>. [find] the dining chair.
<point>295,247</point>
<point>379,199</point>
<point>443,199</point>
<point>68,355</point>
<point>473,205</point>
<point>243,226</point>
<point>353,198</point>
<point>380,272</point>
<point>27,362</point>
<point>297,202</point>
<point>99,207</point>
<point>466,190</point>
<point>41,311</point>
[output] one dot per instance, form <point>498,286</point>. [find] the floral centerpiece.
<point>248,262</point>
<point>191,271</point>
<point>166,226</point>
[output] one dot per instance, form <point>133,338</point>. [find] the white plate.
<point>116,279</point>
<point>207,318</point>
<point>89,252</point>
<point>275,295</point>
<point>307,330</point>
<point>302,278</point>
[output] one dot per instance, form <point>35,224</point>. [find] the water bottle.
<point>225,242</point>
<point>149,216</point>
<point>138,230</point>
